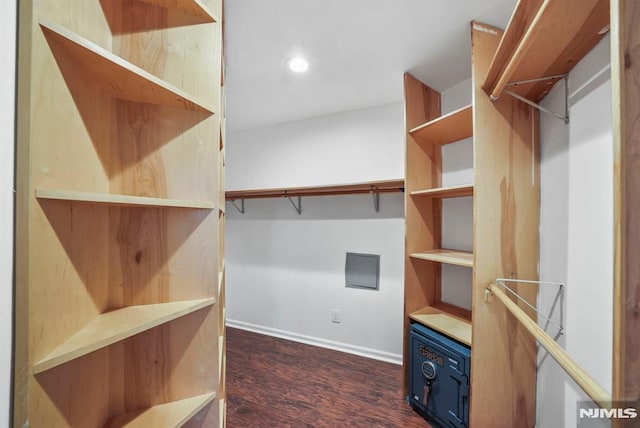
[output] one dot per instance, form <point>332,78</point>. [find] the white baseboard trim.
<point>361,351</point>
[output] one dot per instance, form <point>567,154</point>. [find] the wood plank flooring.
<point>273,382</point>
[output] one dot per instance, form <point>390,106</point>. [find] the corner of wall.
<point>7,113</point>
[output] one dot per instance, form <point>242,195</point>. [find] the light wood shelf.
<point>446,192</point>
<point>444,322</point>
<point>115,326</point>
<point>452,257</point>
<point>173,414</point>
<point>545,41</point>
<point>124,200</point>
<point>385,186</point>
<point>446,129</point>
<point>193,7</point>
<point>121,78</point>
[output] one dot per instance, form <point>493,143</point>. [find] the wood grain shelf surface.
<point>444,322</point>
<point>193,7</point>
<point>545,38</point>
<point>125,200</point>
<point>118,76</point>
<point>446,192</point>
<point>452,257</point>
<point>174,414</point>
<point>117,325</point>
<point>385,186</point>
<point>446,129</point>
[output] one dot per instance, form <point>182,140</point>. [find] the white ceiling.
<point>357,49</point>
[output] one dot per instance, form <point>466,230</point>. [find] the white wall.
<point>457,213</point>
<point>355,146</point>
<point>285,272</point>
<point>576,235</point>
<point>7,111</point>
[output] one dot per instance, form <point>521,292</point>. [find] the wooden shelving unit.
<point>120,318</point>
<point>427,132</point>
<point>545,38</point>
<point>452,257</point>
<point>386,186</point>
<point>503,193</point>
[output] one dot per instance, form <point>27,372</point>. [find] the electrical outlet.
<point>335,316</point>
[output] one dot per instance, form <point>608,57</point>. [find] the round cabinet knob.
<point>429,370</point>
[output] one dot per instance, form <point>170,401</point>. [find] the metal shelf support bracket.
<point>564,77</point>
<point>376,198</point>
<point>239,208</point>
<point>298,207</point>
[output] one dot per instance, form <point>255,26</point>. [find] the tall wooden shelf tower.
<point>543,39</point>
<point>505,234</point>
<point>120,280</point>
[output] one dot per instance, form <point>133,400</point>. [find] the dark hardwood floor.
<point>273,382</point>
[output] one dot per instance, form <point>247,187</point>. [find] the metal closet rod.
<point>373,190</point>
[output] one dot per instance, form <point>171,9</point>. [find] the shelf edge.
<point>205,11</point>
<point>445,258</point>
<point>119,200</point>
<point>58,357</point>
<point>427,311</point>
<point>446,192</point>
<point>136,418</point>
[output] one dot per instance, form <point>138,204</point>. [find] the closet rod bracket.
<point>376,198</point>
<point>564,77</point>
<point>298,207</point>
<point>239,208</point>
<point>488,296</point>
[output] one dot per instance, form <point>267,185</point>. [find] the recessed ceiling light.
<point>298,64</point>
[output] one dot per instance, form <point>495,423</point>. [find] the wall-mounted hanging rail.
<point>372,187</point>
<point>597,393</point>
